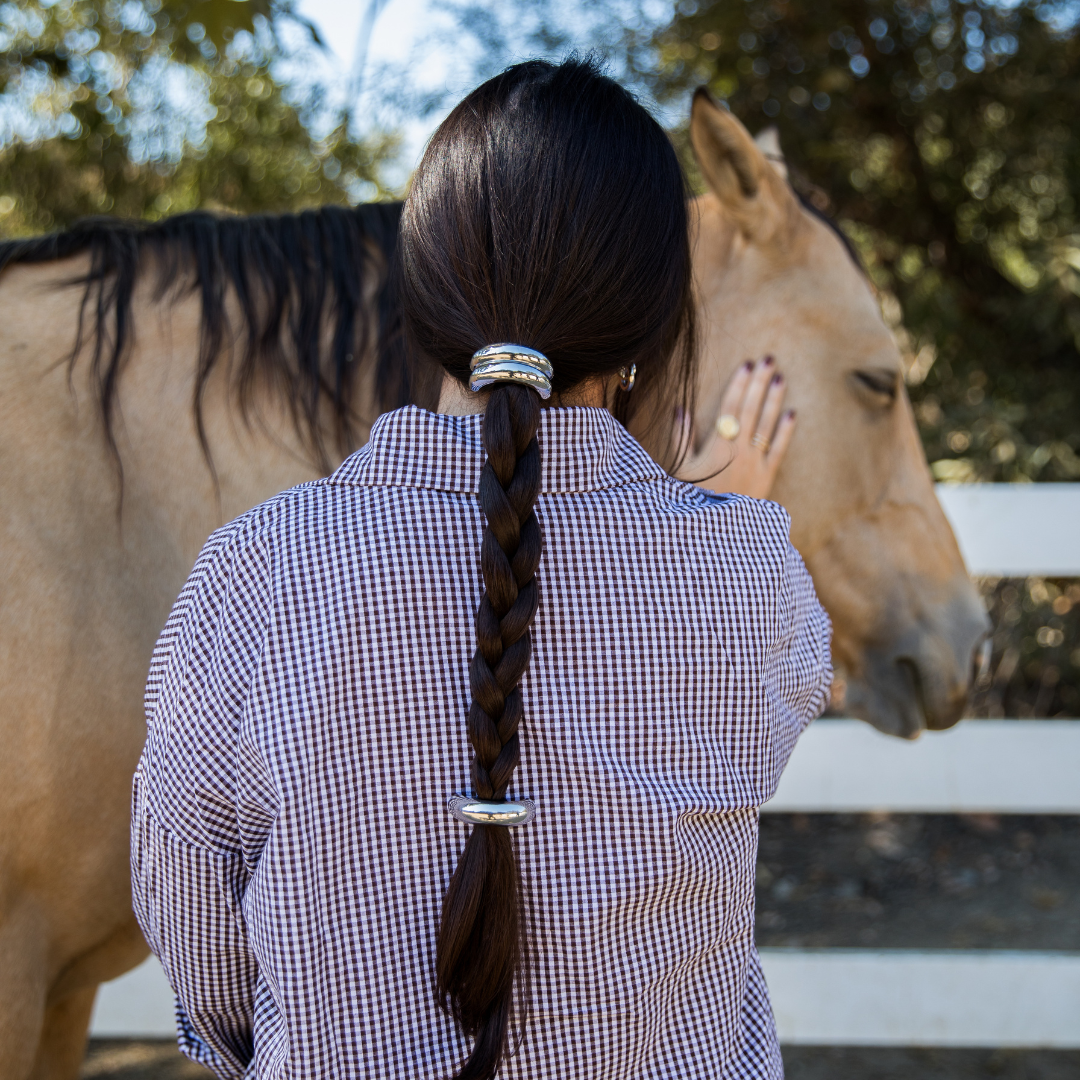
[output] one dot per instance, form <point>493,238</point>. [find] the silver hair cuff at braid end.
<point>479,812</point>
<point>511,363</point>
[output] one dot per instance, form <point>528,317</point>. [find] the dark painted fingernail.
<point>748,366</point>
<point>777,379</point>
<point>791,414</point>
<point>767,361</point>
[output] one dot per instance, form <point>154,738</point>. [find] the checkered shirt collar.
<point>581,449</point>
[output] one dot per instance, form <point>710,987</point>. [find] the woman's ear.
<point>738,172</point>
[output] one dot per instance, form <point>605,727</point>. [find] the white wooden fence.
<point>891,997</point>
<point>1016,530</point>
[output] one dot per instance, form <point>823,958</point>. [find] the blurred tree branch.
<point>155,106</point>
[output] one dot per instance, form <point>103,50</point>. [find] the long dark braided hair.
<point>549,210</point>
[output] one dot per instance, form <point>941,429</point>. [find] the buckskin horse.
<point>157,381</point>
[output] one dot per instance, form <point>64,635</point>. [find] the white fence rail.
<point>1016,530</point>
<point>980,766</point>
<point>897,997</point>
<point>823,997</point>
<point>890,997</point>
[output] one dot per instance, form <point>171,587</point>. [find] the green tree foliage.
<point>142,108</point>
<point>944,137</point>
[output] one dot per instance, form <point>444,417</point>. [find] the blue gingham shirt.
<point>306,710</point>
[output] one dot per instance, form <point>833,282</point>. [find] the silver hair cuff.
<point>478,812</point>
<point>511,363</point>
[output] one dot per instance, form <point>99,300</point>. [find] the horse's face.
<point>774,279</point>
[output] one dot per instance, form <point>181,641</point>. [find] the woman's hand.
<point>743,452</point>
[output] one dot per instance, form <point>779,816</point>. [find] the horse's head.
<point>776,279</point>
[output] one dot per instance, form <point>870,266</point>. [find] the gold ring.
<point>761,442</point>
<point>728,427</point>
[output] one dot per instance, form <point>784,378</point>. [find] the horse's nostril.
<point>910,669</point>
<point>980,661</point>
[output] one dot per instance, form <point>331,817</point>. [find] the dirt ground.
<point>119,1059</point>
<point>863,880</point>
<point>919,881</point>
<point>864,1063</point>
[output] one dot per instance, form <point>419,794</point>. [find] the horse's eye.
<point>876,386</point>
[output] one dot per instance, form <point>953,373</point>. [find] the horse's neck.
<point>251,452</point>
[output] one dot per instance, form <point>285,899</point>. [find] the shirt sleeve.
<point>797,672</point>
<point>187,862</point>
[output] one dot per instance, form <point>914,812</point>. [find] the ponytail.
<point>481,943</point>
<point>548,210</point>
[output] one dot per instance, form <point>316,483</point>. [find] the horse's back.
<point>94,547</point>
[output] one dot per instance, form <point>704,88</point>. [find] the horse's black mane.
<point>849,247</point>
<point>300,281</point>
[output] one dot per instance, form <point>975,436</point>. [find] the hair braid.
<point>481,944</point>
<point>549,209</point>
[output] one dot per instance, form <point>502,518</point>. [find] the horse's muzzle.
<point>922,677</point>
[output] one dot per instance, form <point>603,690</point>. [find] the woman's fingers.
<point>771,408</point>
<point>781,440</point>
<point>731,460</point>
<point>753,400</point>
<point>751,436</point>
<point>731,402</point>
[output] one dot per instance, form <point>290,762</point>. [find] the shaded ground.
<point>871,1063</point>
<point>121,1059</point>
<point>929,881</point>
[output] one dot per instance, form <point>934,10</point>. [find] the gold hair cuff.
<point>511,363</point>
<point>478,812</point>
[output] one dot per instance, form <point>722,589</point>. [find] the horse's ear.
<point>738,170</point>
